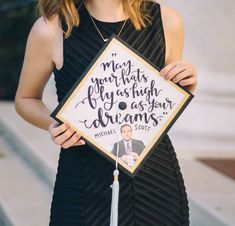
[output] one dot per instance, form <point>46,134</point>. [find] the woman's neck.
<point>106,10</point>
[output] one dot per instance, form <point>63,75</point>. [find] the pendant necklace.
<point>106,39</point>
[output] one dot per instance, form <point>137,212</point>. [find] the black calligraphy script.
<point>124,80</point>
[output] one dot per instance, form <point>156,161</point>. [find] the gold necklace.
<point>105,39</point>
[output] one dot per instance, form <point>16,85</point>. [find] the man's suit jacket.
<point>137,147</point>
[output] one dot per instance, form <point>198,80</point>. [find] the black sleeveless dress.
<point>156,196</point>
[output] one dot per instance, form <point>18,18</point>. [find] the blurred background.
<point>203,137</point>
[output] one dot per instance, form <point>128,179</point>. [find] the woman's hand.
<point>181,72</point>
<point>64,136</point>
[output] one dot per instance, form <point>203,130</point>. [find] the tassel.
<point>115,197</point>
<point>115,192</point>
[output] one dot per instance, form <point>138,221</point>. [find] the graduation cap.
<point>121,105</point>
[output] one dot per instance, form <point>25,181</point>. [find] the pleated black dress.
<point>156,196</point>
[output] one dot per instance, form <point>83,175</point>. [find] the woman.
<point>64,41</point>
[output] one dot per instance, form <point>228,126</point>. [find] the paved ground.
<point>24,198</point>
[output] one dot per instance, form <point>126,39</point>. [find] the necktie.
<point>128,148</point>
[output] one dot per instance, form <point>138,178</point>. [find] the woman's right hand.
<point>64,136</point>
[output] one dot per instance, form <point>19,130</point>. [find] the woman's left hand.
<point>181,72</point>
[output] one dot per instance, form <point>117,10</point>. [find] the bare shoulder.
<point>172,20</point>
<point>39,58</point>
<point>49,34</point>
<point>45,30</point>
<point>174,33</point>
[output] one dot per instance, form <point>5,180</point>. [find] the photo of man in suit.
<point>129,148</point>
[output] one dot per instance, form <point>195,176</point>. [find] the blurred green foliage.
<point>17,18</point>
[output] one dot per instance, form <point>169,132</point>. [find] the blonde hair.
<point>67,11</point>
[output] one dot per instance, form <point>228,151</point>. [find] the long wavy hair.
<point>68,13</point>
